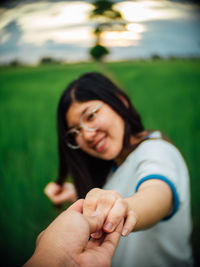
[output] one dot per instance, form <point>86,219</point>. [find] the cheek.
<point>111,120</point>
<point>79,140</point>
<point>116,132</point>
<point>118,129</point>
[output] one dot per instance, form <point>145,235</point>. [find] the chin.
<point>109,156</point>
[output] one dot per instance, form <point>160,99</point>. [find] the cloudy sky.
<point>30,30</point>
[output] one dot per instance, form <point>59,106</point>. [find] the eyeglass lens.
<point>71,139</point>
<point>88,121</point>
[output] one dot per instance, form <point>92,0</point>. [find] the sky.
<point>30,30</point>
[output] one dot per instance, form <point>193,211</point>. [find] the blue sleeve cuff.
<point>171,185</point>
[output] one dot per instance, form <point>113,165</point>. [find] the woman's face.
<point>106,142</point>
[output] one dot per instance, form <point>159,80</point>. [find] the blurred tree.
<point>156,57</point>
<point>15,63</point>
<point>49,60</point>
<point>107,19</point>
<point>98,52</point>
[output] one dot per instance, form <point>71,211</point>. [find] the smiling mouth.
<point>100,146</point>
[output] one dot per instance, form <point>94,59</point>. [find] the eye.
<point>90,116</point>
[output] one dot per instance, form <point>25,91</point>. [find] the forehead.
<point>76,109</point>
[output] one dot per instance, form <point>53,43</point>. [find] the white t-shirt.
<point>167,244</point>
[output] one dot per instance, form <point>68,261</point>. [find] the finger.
<point>105,204</point>
<point>71,191</point>
<point>120,226</point>
<point>111,240</point>
<point>90,202</point>
<point>77,206</point>
<point>115,215</point>
<point>95,222</point>
<point>130,223</point>
<point>94,243</point>
<point>89,206</point>
<point>57,200</point>
<point>62,197</point>
<point>97,235</point>
<point>52,189</point>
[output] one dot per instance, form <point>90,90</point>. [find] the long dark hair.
<point>87,171</point>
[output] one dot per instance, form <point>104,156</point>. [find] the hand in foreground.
<point>113,207</point>
<point>60,194</point>
<point>65,241</point>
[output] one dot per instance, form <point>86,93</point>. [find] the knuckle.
<point>107,199</point>
<point>93,192</point>
<point>96,190</point>
<point>115,194</point>
<point>89,204</point>
<point>47,190</point>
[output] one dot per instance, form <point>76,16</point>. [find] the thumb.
<point>77,206</point>
<point>95,221</point>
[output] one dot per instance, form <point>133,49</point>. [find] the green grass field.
<point>166,94</point>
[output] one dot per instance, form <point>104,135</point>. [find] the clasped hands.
<point>86,234</point>
<point>113,208</point>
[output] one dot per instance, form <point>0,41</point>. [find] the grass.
<point>166,94</point>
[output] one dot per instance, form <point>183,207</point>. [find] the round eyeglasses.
<point>89,121</point>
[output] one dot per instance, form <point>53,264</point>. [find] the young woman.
<point>124,173</point>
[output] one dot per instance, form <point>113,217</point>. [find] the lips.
<point>99,146</point>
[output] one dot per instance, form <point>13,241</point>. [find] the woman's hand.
<point>113,207</point>
<point>60,194</point>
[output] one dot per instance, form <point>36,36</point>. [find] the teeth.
<point>99,144</point>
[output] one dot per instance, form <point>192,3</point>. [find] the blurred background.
<point>151,49</point>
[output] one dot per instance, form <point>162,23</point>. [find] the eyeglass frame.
<point>81,126</point>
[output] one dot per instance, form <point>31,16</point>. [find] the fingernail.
<point>96,213</point>
<point>96,234</point>
<point>125,232</point>
<point>108,226</point>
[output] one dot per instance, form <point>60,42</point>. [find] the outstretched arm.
<point>152,202</point>
<point>149,205</point>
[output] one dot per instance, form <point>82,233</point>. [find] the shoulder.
<point>158,156</point>
<point>158,148</point>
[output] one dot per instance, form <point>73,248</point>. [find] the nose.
<point>88,135</point>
